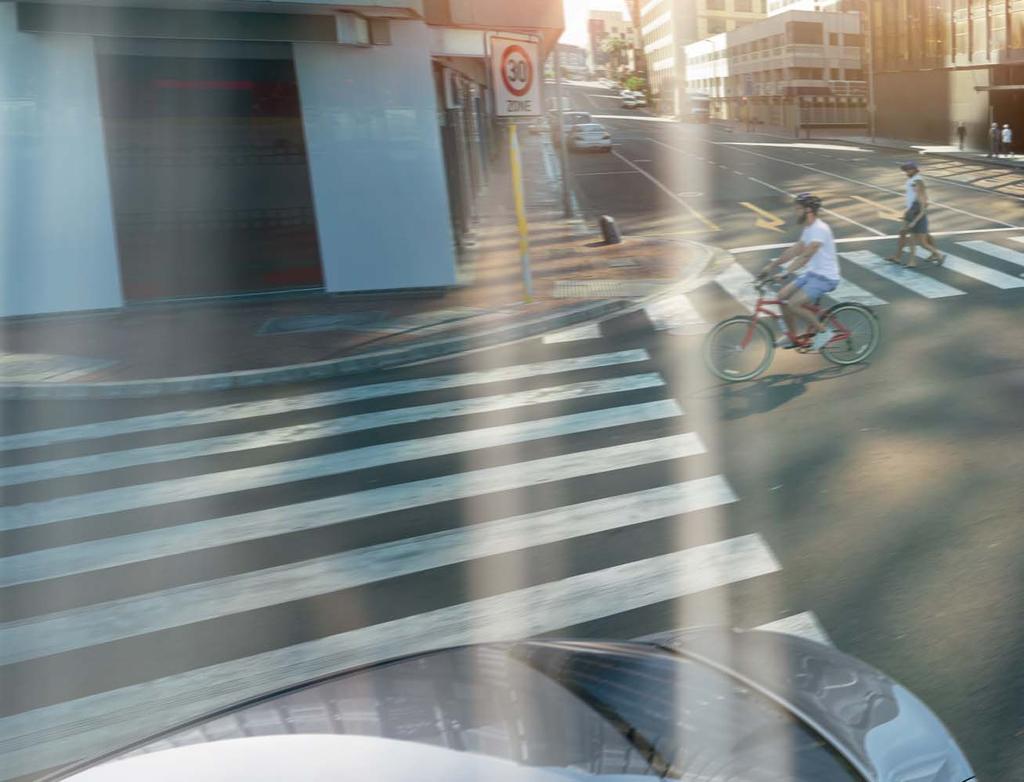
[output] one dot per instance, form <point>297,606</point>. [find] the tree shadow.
<point>773,391</point>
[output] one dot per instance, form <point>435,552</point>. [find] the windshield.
<point>336,333</point>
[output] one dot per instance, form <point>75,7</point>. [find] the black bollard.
<point>609,230</point>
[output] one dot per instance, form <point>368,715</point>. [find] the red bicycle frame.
<point>802,341</point>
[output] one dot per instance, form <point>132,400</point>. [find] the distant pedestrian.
<point>1007,141</point>
<point>961,133</point>
<point>994,140</point>
<point>915,221</point>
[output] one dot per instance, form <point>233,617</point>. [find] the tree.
<point>615,49</point>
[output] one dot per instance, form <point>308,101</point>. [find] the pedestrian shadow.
<point>771,392</point>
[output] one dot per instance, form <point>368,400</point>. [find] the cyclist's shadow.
<point>773,391</point>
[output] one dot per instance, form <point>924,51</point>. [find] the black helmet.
<point>910,165</point>
<point>809,201</point>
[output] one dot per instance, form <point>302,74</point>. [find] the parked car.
<point>629,102</point>
<point>640,99</point>
<point>707,704</point>
<point>591,135</point>
<point>569,118</point>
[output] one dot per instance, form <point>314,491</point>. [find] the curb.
<point>360,362</point>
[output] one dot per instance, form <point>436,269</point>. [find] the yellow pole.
<point>515,166</point>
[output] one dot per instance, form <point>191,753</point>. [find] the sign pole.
<point>563,157</point>
<point>515,166</point>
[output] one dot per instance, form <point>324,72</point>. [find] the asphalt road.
<point>162,558</point>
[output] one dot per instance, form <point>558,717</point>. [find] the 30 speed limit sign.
<point>515,79</point>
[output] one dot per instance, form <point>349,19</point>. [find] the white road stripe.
<point>738,283</point>
<point>996,250</point>
<point>890,237</point>
<point>211,533</point>
<point>676,312</point>
<point>194,487</point>
<point>847,291</point>
<point>1018,239</point>
<point>976,271</point>
<point>53,735</point>
<point>118,619</point>
<point>576,334</point>
<point>287,435</point>
<point>242,410</point>
<point>907,278</point>
<point>805,625</point>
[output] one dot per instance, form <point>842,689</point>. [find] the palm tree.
<point>614,48</point>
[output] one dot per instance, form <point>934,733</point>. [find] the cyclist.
<point>815,255</point>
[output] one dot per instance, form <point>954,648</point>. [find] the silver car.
<point>590,136</point>
<point>710,705</point>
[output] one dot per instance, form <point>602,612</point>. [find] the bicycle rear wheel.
<point>863,334</point>
<point>739,349</point>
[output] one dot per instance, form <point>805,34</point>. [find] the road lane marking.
<point>575,334</point>
<point>602,173</point>
<point>884,211</point>
<point>61,733</point>
<point>212,484</point>
<point>676,312</point>
<point>277,405</point>
<point>765,219</point>
<point>976,271</point>
<point>178,606</point>
<point>868,184</point>
<point>315,514</point>
<point>906,278</point>
<point>738,283</point>
<point>668,191</point>
<point>996,250</point>
<point>890,237</point>
<point>286,435</point>
<point>826,211</point>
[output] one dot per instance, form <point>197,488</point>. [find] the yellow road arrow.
<point>883,210</point>
<point>765,219</point>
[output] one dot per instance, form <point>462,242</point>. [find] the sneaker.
<point>822,339</point>
<point>785,343</point>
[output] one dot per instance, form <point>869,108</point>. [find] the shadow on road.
<point>773,391</point>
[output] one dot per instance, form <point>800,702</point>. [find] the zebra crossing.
<point>976,265</point>
<point>157,567</point>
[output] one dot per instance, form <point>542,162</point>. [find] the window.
<point>715,5</point>
<point>805,32</point>
<point>853,39</point>
<point>834,74</point>
<point>715,25</point>
<point>854,74</point>
<point>742,5</point>
<point>833,39</point>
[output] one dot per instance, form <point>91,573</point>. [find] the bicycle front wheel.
<point>739,349</point>
<point>860,330</point>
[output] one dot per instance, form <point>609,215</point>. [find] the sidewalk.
<point>172,348</point>
<point>950,151</point>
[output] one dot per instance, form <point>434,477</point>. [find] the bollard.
<point>609,230</point>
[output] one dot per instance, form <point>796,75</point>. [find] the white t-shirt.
<point>911,192</point>
<point>824,262</point>
<point>1007,135</point>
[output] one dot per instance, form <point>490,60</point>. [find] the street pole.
<point>562,152</point>
<point>516,169</point>
<point>870,39</point>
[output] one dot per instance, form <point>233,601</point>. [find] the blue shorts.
<point>815,286</point>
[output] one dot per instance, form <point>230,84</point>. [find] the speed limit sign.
<point>514,71</point>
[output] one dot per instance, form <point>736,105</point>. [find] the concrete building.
<point>962,60</point>
<point>574,60</point>
<point>194,149</point>
<point>602,25</point>
<point>796,69</point>
<point>781,6</point>
<point>667,26</point>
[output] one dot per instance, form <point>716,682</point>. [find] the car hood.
<point>879,725</point>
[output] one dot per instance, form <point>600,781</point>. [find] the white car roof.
<point>324,758</point>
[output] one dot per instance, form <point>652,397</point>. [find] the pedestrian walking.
<point>994,140</point>
<point>915,221</point>
<point>1007,141</point>
<point>961,133</point>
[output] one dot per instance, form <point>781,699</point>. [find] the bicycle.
<point>743,347</point>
